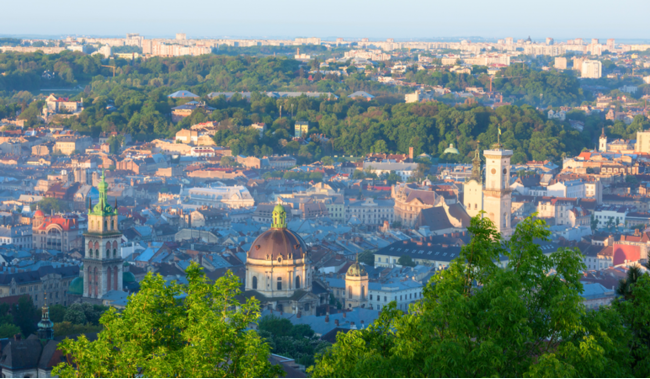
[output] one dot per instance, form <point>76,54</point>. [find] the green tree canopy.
<point>175,330</point>
<point>478,319</point>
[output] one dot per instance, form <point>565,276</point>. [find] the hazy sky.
<point>400,19</point>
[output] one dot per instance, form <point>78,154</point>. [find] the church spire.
<point>45,326</point>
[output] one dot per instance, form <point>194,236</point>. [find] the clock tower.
<point>497,193</point>
<point>103,264</point>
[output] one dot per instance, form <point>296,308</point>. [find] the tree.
<point>57,312</point>
<point>25,315</point>
<point>367,257</point>
<point>406,260</point>
<point>49,204</point>
<point>8,330</point>
<point>227,161</point>
<point>479,319</point>
<point>190,330</point>
<point>75,315</point>
<point>327,160</point>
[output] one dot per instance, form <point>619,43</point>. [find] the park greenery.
<point>136,102</point>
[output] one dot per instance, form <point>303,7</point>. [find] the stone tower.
<point>602,142</point>
<point>473,188</point>
<point>356,284</point>
<point>103,264</point>
<point>497,193</point>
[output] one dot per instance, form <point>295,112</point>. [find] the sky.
<point>377,19</point>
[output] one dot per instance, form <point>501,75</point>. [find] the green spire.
<point>279,217</point>
<point>102,208</point>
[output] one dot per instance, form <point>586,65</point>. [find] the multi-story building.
<point>410,200</point>
<point>72,145</point>
<point>592,69</point>
<point>221,197</point>
<point>370,211</point>
<point>103,263</point>
<point>611,215</point>
<point>302,129</point>
<point>18,235</point>
<point>560,63</point>
<point>56,232</point>
<point>36,283</point>
<point>569,188</point>
<point>55,104</point>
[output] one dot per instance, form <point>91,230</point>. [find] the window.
<point>279,284</point>
<point>254,282</point>
<point>370,297</point>
<point>297,281</point>
<point>350,292</point>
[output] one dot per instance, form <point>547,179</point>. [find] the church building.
<point>279,270</point>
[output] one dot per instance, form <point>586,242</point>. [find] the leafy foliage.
<point>293,341</point>
<point>175,330</point>
<point>480,319</point>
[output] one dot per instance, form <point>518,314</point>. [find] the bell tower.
<point>103,264</point>
<point>497,194</point>
<point>602,142</point>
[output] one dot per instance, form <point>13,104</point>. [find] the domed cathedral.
<point>279,271</point>
<point>103,264</point>
<point>356,282</point>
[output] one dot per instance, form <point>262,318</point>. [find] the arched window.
<point>363,292</point>
<point>475,206</point>
<point>350,292</point>
<point>90,244</point>
<point>114,253</point>
<point>96,245</point>
<point>254,282</point>
<point>105,225</point>
<point>108,249</point>
<point>279,284</point>
<point>108,279</point>
<point>297,281</point>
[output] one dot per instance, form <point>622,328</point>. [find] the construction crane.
<point>113,67</point>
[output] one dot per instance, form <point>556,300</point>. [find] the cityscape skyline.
<point>256,19</point>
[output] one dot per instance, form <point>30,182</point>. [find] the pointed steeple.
<point>45,326</point>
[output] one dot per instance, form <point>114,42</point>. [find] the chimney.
<point>17,337</point>
<point>299,314</point>
<point>343,314</point>
<point>327,318</point>
<point>411,153</point>
<point>336,322</point>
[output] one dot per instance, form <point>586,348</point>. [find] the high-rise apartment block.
<point>592,69</point>
<point>560,63</point>
<point>181,36</point>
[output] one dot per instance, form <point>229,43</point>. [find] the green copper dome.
<point>128,277</point>
<point>451,149</point>
<point>76,286</point>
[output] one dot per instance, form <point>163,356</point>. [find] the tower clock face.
<point>494,171</point>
